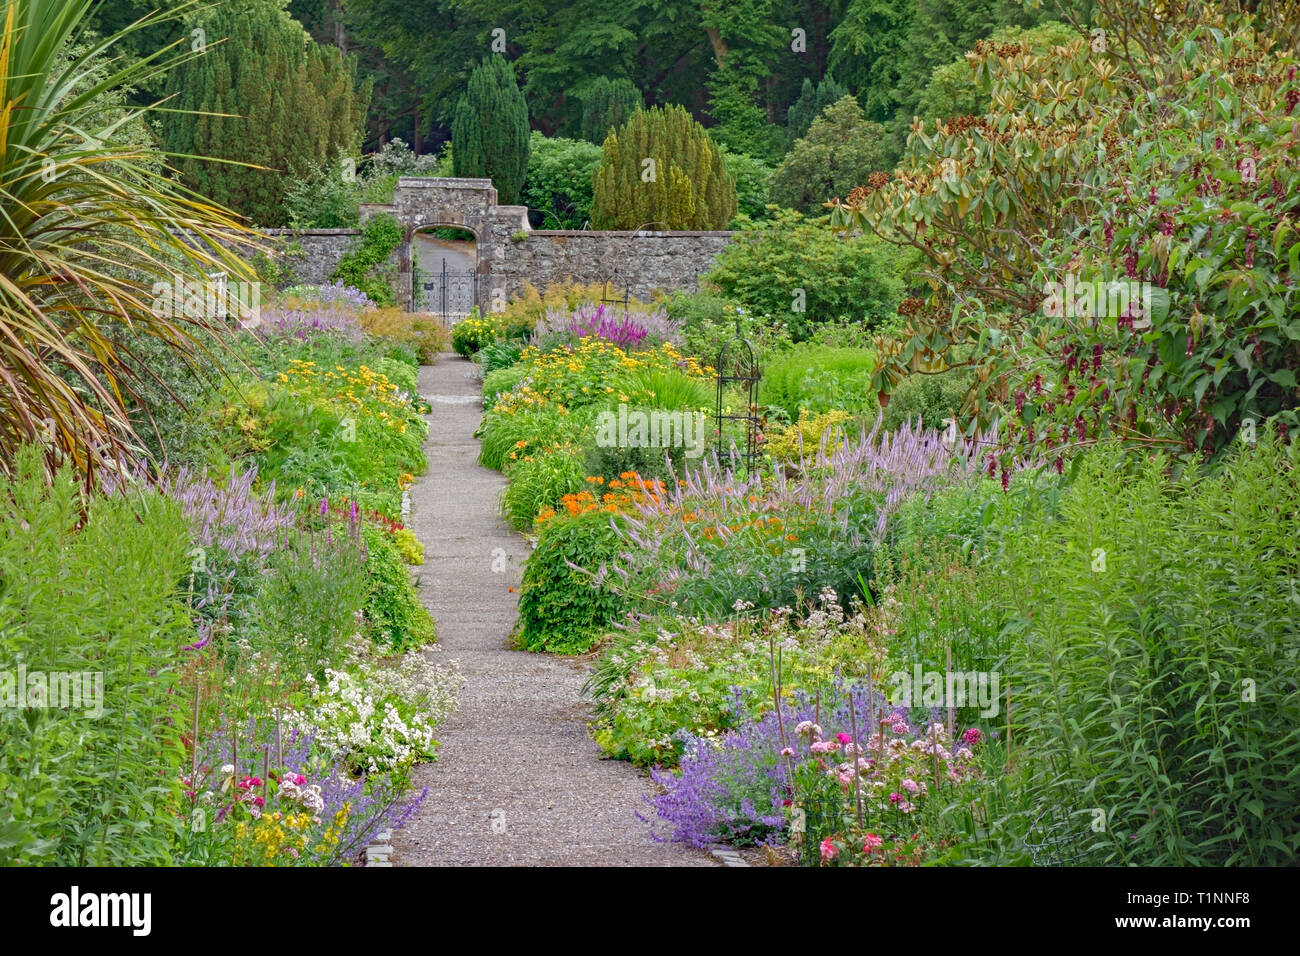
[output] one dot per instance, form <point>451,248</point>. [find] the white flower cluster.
<point>383,713</point>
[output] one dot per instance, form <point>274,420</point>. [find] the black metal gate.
<point>450,294</point>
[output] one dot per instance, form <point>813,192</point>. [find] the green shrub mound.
<point>559,610</point>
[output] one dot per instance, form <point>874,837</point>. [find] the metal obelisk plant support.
<point>609,291</point>
<point>738,365</point>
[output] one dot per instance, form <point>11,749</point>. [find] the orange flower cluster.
<point>625,492</point>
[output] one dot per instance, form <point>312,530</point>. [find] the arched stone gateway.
<point>511,253</point>
<point>471,204</point>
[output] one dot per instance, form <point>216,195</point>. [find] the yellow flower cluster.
<point>330,838</point>
<point>571,376</point>
<point>270,837</point>
<point>370,393</point>
<point>804,437</point>
<point>481,327</point>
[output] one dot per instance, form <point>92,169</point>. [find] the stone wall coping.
<point>636,233</point>
<point>443,182</point>
<point>279,231</point>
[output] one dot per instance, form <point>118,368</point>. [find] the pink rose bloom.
<point>828,850</point>
<point>844,738</point>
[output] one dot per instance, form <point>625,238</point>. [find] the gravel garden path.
<point>517,780</point>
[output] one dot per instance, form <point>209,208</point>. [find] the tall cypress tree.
<point>690,187</point>
<point>607,105</point>
<point>295,105</point>
<point>489,131</point>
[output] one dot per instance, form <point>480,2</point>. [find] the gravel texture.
<point>518,781</point>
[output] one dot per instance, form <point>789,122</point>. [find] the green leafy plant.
<point>1158,658</point>
<point>366,267</point>
<point>323,199</point>
<point>933,400</point>
<point>312,592</point>
<point>90,590</point>
<point>1110,184</point>
<point>393,609</point>
<point>93,226</point>
<point>559,187</point>
<point>819,379</point>
<point>839,151</point>
<point>753,186</point>
<point>796,272</point>
<point>539,480</point>
<point>559,609</point>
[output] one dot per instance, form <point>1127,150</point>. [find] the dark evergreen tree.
<point>607,105</point>
<point>489,131</point>
<point>812,101</point>
<point>288,105</point>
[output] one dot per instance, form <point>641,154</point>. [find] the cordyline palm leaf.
<point>89,223</point>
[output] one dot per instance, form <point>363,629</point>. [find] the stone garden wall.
<point>646,261</point>
<point>509,252</point>
<point>312,253</point>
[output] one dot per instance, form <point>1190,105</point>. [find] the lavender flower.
<point>230,517</point>
<point>842,499</point>
<point>302,324</point>
<point>337,292</point>
<point>728,790</point>
<point>232,528</point>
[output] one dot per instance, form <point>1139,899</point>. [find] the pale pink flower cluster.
<point>294,787</point>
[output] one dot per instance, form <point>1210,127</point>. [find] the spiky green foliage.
<point>90,224</point>
<point>489,133</point>
<point>266,99</point>
<point>662,170</point>
<point>608,105</point>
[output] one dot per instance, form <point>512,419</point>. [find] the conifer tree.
<point>290,105</point>
<point>662,170</point>
<point>812,101</point>
<point>608,105</point>
<point>489,131</point>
